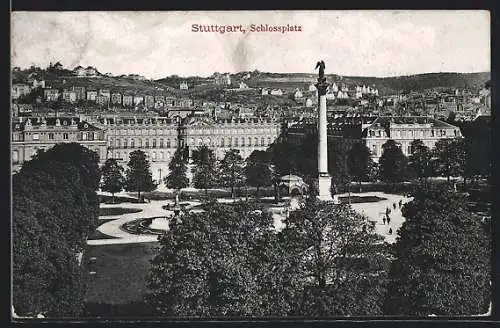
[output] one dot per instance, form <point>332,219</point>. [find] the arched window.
<point>249,141</point>
<point>168,143</point>
<point>256,141</point>
<point>192,141</point>
<point>147,143</point>
<point>153,155</point>
<point>236,142</point>
<point>242,142</point>
<point>162,157</point>
<point>229,141</point>
<point>125,156</point>
<point>132,143</point>
<point>161,143</point>
<point>125,143</point>
<point>262,141</point>
<point>15,156</point>
<point>140,142</point>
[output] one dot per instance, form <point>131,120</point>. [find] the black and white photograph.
<point>280,164</point>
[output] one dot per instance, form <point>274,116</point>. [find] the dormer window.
<point>86,126</point>
<point>65,123</point>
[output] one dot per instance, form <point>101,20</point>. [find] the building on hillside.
<point>105,93</point>
<point>309,103</point>
<point>183,86</point>
<point>335,87</point>
<point>32,134</point>
<point>297,94</point>
<point>312,87</point>
<point>19,89</point>
<point>58,66</point>
<point>156,136</point>
<point>264,91</point>
<point>222,79</point>
<point>69,96</point>
<point>246,135</point>
<point>80,93</point>
<point>50,94</point>
<point>92,95</point>
<point>102,100</point>
<point>37,83</point>
<point>128,100</point>
<point>91,71</point>
<point>276,92</point>
<point>138,100</point>
<point>116,98</point>
<point>79,71</point>
<point>149,101</point>
<point>243,85</point>
<point>404,130</point>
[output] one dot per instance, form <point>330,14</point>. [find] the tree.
<point>450,157</point>
<point>176,178</point>
<point>138,174</point>
<point>55,208</point>
<point>392,163</point>
<point>359,162</point>
<point>443,254</point>
<point>204,170</point>
<point>420,160</point>
<point>341,265</point>
<point>112,175</point>
<point>221,262</point>
<point>257,170</point>
<point>231,171</point>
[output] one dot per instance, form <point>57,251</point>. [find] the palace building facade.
<point>32,134</point>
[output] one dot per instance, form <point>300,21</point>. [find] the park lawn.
<point>121,272</point>
<point>108,211</point>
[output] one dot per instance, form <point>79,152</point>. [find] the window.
<point>161,155</point>
<point>117,154</point>
<point>243,142</point>
<point>154,143</point>
<point>409,150</point>
<point>118,143</point>
<point>192,141</point>
<point>132,143</point>
<point>51,136</point>
<point>65,136</point>
<point>15,156</point>
<point>36,136</point>
<point>268,141</point>
<point>140,142</point>
<point>432,133</point>
<point>374,150</point>
<point>153,155</point>
<point>161,143</point>
<point>256,141</point>
<point>125,143</point>
<point>84,136</point>
<point>262,141</point>
<point>249,141</point>
<point>168,143</point>
<point>95,136</point>
<point>229,141</point>
<point>236,142</point>
<point>222,142</point>
<point>147,143</point>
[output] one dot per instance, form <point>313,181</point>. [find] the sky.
<point>156,44</point>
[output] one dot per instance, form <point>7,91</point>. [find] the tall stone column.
<point>324,179</point>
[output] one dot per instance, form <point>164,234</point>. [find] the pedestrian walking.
<point>394,205</point>
<point>390,231</point>
<point>388,219</point>
<point>383,219</point>
<point>400,203</point>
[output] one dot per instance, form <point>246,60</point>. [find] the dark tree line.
<point>55,208</point>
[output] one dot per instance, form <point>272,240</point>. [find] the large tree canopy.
<point>392,163</point>
<point>138,173</point>
<point>341,264</point>
<point>443,253</point>
<point>55,208</point>
<point>220,262</point>
<point>177,178</point>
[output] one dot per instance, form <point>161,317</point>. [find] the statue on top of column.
<point>321,65</point>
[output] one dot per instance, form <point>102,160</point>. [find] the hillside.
<point>387,85</point>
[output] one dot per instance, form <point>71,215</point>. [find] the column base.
<point>324,185</point>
